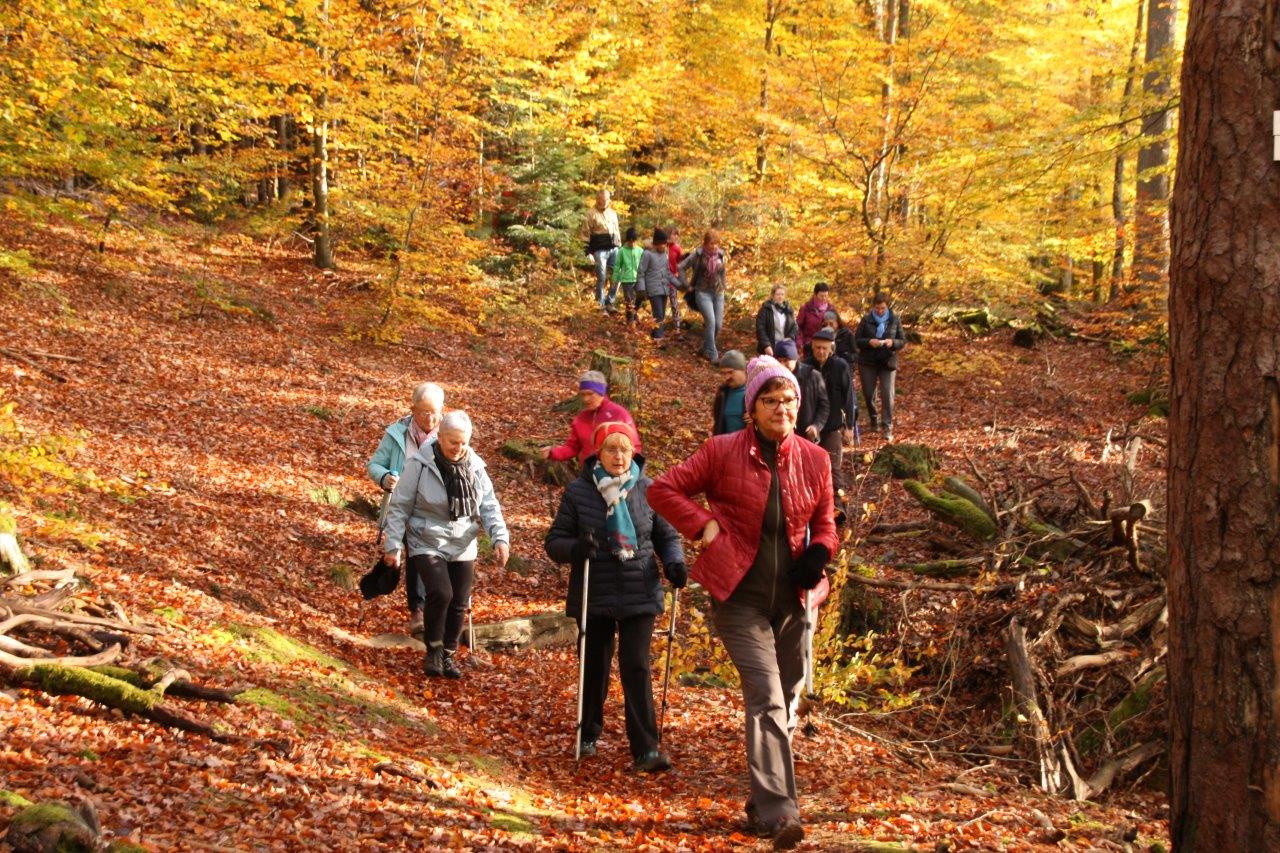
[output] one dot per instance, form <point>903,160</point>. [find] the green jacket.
<point>627,264</point>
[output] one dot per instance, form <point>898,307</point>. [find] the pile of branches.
<point>1067,627</point>
<point>53,639</point>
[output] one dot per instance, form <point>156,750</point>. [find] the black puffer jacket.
<point>617,588</point>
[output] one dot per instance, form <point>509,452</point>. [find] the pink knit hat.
<point>760,370</point>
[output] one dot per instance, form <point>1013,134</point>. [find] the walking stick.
<point>582,657</point>
<point>808,644</point>
<point>666,679</point>
<point>471,629</point>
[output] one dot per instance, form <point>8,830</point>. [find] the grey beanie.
<point>734,360</point>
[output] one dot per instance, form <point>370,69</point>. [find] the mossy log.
<point>62,680</point>
<point>945,568</point>
<point>954,510</point>
<point>48,827</point>
<point>622,376</point>
<point>1055,542</point>
<point>181,688</point>
<point>958,487</point>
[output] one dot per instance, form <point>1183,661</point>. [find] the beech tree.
<point>1224,450</point>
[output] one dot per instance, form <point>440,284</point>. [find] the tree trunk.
<point>284,144</point>
<point>1151,222</point>
<point>622,376</point>
<point>1117,181</point>
<point>1224,429</point>
<point>772,9</point>
<point>320,162</point>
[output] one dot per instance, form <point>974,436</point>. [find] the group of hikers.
<point>760,497</point>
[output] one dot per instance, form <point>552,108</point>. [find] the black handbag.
<point>379,580</point>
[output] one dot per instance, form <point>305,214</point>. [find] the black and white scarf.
<point>459,484</point>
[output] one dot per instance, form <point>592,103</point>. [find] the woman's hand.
<point>502,551</point>
<point>546,452</point>
<point>710,532</point>
<point>392,558</point>
<point>768,350</point>
<point>389,481</point>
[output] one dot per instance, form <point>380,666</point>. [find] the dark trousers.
<point>634,637</point>
<point>415,593</point>
<point>448,589</point>
<point>833,443</point>
<point>658,303</point>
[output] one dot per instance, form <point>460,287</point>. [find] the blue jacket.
<point>389,457</point>
<point>418,512</point>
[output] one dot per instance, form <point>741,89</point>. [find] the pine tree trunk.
<point>1151,223</point>
<point>1224,426</point>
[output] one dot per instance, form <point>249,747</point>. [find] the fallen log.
<point>929,585</point>
<point>1077,663</point>
<point>954,510</point>
<point>945,568</point>
<point>960,488</point>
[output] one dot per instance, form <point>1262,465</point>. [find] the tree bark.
<point>1224,426</point>
<point>320,162</point>
<point>1151,222</point>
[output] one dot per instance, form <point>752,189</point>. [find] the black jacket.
<point>882,357</point>
<point>618,589</point>
<point>765,325</point>
<point>846,348</point>
<point>814,408</point>
<point>843,403</point>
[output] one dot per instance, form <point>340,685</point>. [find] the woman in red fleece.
<point>767,533</point>
<point>597,409</point>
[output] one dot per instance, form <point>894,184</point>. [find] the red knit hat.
<point>608,428</point>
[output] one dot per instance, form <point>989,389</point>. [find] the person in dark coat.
<point>774,321</point>
<point>605,517</point>
<point>838,430</point>
<point>879,339</point>
<point>846,347</point>
<point>814,407</point>
<point>728,410</point>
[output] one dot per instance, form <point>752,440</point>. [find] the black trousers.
<point>634,635</point>
<point>448,588</point>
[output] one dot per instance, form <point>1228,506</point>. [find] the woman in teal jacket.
<point>399,442</point>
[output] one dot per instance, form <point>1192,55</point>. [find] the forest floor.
<point>215,377</point>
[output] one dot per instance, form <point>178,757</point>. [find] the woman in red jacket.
<point>767,534</point>
<point>597,409</point>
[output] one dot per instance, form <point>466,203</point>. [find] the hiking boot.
<point>888,434</point>
<point>587,749</point>
<point>652,762</point>
<point>754,825</point>
<point>787,833</point>
<point>433,665</point>
<point>415,624</point>
<point>448,668</point>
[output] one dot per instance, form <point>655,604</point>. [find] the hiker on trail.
<point>703,270</point>
<point>674,255</point>
<point>437,510</point>
<point>654,279</point>
<point>811,314</point>
<point>729,410</point>
<point>775,321</point>
<point>879,338</point>
<point>399,442</point>
<point>603,240</point>
<point>846,348</point>
<point>815,409</point>
<point>625,270</point>
<point>605,517</point>
<point>767,534</point>
<point>843,408</point>
<point>597,408</point>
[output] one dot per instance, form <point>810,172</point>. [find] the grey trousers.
<point>870,375</point>
<point>768,650</point>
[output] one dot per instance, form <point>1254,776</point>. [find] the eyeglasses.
<point>776,402</point>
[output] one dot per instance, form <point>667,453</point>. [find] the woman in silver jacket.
<point>443,499</point>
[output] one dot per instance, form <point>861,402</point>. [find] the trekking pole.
<point>808,643</point>
<point>582,657</point>
<point>471,629</point>
<point>666,679</point>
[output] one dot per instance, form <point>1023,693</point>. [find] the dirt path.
<point>219,379</point>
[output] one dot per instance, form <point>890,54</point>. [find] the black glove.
<point>806,572</point>
<point>584,547</point>
<point>677,574</point>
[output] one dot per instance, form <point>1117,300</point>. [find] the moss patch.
<point>273,645</point>
<point>51,826</point>
<point>54,678</point>
<point>276,703</point>
<point>12,800</point>
<point>905,461</point>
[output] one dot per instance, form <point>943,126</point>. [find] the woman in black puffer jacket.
<point>605,517</point>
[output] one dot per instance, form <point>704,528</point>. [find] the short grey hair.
<point>593,376</point>
<point>429,391</point>
<point>456,421</point>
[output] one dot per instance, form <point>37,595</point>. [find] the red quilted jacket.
<point>733,475</point>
